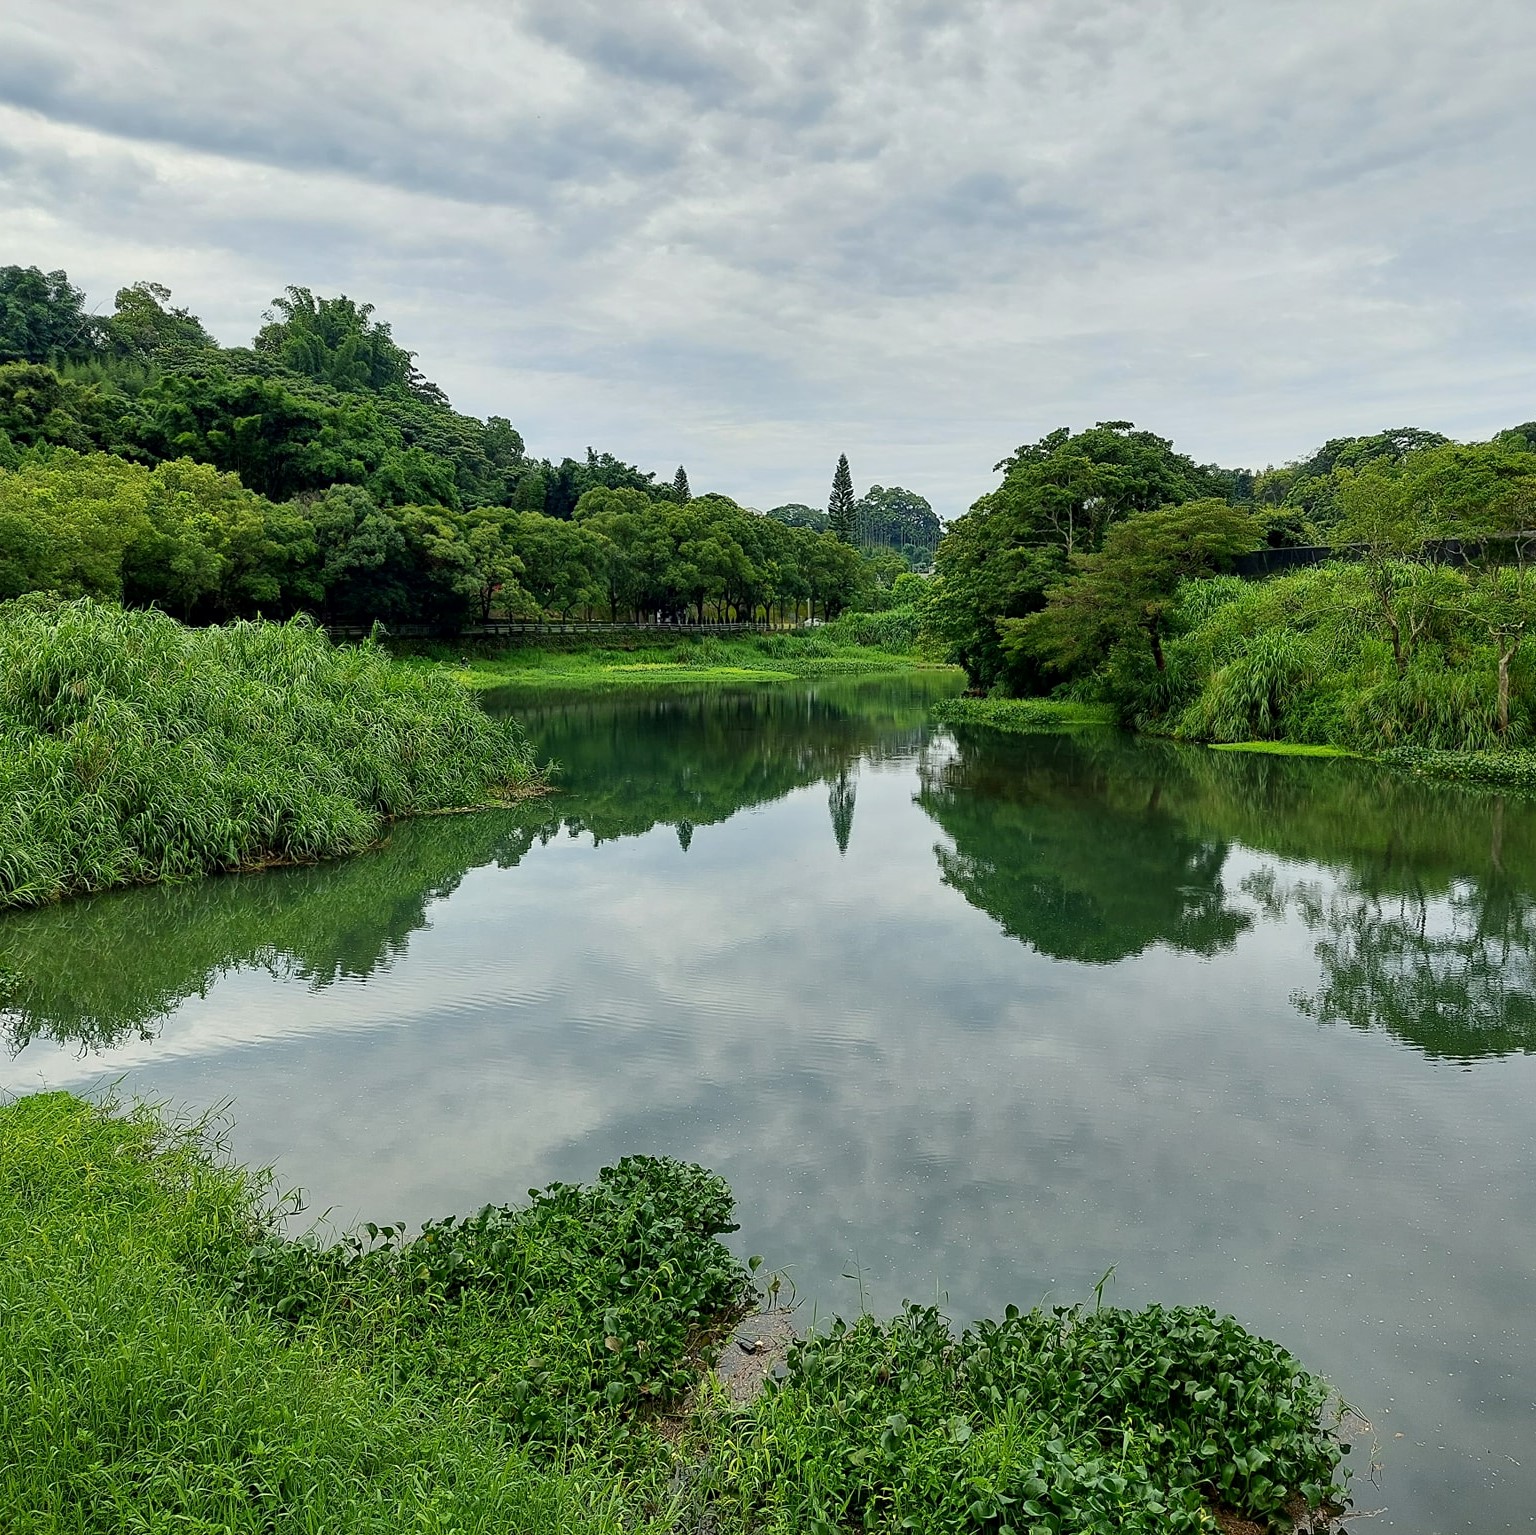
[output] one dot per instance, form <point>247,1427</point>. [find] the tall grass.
<point>134,750</point>
<point>1312,658</point>
<point>137,1400</point>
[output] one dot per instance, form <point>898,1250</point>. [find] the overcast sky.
<point>747,237</point>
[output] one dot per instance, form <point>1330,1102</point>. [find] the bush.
<point>894,629</point>
<point>1311,657</point>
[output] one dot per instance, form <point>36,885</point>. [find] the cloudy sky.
<point>750,236</point>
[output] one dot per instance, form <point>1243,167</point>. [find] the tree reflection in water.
<point>1093,846</point>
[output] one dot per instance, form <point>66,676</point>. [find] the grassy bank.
<point>177,1364</point>
<point>1023,716</point>
<point>134,750</point>
<point>638,660</point>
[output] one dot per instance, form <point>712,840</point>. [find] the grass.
<point>652,661</point>
<point>1282,749</point>
<point>144,1394</point>
<point>1023,716</point>
<point>134,750</point>
<point>174,1363</point>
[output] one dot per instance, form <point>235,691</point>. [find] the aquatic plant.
<point>560,1317</point>
<point>1066,1421</point>
<point>134,750</point>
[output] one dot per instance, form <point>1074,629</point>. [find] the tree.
<point>795,514</point>
<point>840,504</point>
<point>38,408</point>
<point>338,342</point>
<point>142,323</point>
<point>1504,601</point>
<point>680,492</point>
<point>42,317</point>
<point>897,519</point>
<point>1131,584</point>
<point>1058,497</point>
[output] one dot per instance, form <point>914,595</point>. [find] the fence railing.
<point>1496,548</point>
<point>497,627</point>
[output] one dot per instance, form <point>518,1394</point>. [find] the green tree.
<point>795,514</point>
<point>1503,601</point>
<point>43,317</point>
<point>899,520</point>
<point>841,503</point>
<point>38,408</point>
<point>337,341</point>
<point>1057,499</point>
<point>680,491</point>
<point>1130,586</point>
<point>143,323</point>
<point>66,524</point>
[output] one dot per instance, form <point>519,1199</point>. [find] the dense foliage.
<point>182,1365</point>
<point>1100,562</point>
<point>1058,498</point>
<point>1048,1422</point>
<point>1369,656</point>
<point>318,471</point>
<point>133,749</point>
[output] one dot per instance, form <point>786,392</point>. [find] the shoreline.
<point>591,1349</point>
<point>1488,770</point>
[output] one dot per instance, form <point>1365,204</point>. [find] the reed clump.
<point>135,750</point>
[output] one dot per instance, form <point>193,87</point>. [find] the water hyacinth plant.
<point>134,750</point>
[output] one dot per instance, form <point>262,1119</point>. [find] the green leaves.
<point>1064,1420</point>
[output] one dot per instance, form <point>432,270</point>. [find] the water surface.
<point>960,1015</point>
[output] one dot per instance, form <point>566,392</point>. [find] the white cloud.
<point>749,238</point>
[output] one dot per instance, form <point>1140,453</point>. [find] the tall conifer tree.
<point>680,486</point>
<point>840,505</point>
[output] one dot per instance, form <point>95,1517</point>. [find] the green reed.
<point>134,750</point>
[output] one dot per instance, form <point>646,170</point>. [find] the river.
<point>961,1016</point>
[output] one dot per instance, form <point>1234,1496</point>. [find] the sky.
<point>748,237</point>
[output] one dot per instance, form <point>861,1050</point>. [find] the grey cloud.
<point>913,233</point>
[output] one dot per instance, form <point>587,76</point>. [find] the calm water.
<point>960,1015</point>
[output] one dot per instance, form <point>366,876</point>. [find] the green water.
<point>959,1014</point>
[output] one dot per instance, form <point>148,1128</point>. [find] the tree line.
<point>318,469</point>
<point>1098,567</point>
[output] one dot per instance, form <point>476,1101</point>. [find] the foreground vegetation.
<point>134,750</point>
<point>180,1364</point>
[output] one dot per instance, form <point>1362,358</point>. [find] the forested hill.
<point>318,469</point>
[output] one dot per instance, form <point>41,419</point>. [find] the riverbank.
<point>641,661</point>
<point>134,750</point>
<point>189,1365</point>
<point>1514,770</point>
